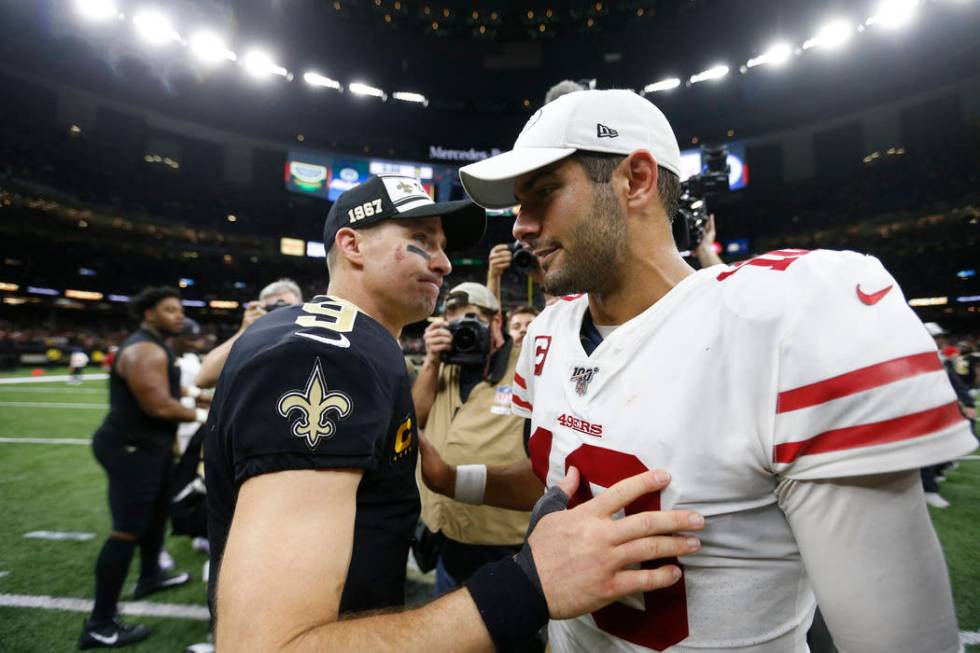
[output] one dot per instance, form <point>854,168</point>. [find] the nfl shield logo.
<point>582,376</point>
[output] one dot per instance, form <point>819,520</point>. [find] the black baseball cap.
<point>387,197</point>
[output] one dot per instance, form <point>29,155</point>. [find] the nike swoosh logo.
<point>340,341</point>
<point>106,640</point>
<point>872,298</point>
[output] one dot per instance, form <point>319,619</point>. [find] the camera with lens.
<point>279,303</point>
<point>692,211</point>
<point>522,259</point>
<point>471,342</point>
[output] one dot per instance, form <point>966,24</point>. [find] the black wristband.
<point>511,607</point>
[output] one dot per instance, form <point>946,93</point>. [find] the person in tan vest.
<point>465,411</point>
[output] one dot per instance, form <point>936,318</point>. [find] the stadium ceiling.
<point>499,57</point>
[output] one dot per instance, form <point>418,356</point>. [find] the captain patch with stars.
<point>321,386</point>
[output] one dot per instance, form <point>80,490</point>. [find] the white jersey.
<point>798,365</point>
<point>78,359</point>
<point>189,364</point>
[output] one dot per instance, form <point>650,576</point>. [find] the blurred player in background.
<point>76,365</point>
<point>134,445</point>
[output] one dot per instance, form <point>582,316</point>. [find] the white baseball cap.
<point>616,121</point>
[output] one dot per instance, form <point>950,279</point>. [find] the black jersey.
<point>321,386</point>
<point>127,423</point>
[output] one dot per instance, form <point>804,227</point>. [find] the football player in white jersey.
<point>793,398</point>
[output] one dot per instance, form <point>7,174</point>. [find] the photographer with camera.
<point>277,294</point>
<point>462,399</point>
<point>514,255</point>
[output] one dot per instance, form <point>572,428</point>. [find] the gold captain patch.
<point>314,406</point>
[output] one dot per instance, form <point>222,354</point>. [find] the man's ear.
<point>640,170</point>
<point>350,245</point>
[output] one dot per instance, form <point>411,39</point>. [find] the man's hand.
<point>705,251</point>
<point>436,474</point>
<point>499,260</point>
<point>253,311</point>
<point>582,555</point>
<point>437,339</point>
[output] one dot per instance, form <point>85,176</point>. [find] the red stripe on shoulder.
<point>858,381</point>
<point>571,298</point>
<point>519,380</point>
<point>520,402</point>
<point>905,427</point>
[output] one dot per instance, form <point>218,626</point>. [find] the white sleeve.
<point>861,389</point>
<point>522,398</point>
<point>874,561</point>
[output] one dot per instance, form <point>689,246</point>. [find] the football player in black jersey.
<point>135,446</point>
<point>311,452</point>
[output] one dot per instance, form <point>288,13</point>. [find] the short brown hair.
<point>522,309</point>
<point>599,167</point>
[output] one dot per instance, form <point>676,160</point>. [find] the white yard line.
<point>59,535</point>
<point>51,404</point>
<point>136,608</point>
<point>45,441</point>
<point>66,390</point>
<point>55,378</point>
<point>969,458</point>
<point>969,638</point>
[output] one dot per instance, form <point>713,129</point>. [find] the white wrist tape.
<point>187,402</point>
<point>201,415</point>
<point>471,483</point>
<point>193,391</point>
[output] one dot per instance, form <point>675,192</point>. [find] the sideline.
<point>136,608</point>
<point>54,378</point>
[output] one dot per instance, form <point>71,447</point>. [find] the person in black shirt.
<point>310,454</point>
<point>134,444</point>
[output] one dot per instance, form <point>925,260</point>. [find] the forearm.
<point>493,284</point>
<point>874,561</point>
<point>425,629</point>
<point>512,486</point>
<point>214,362</point>
<point>170,410</point>
<point>424,390</point>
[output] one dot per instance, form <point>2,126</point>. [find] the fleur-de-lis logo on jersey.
<point>315,405</point>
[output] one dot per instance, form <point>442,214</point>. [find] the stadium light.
<point>406,96</point>
<point>96,10</point>
<point>893,14</point>
<point>776,55</point>
<point>831,36</point>
<point>715,72</point>
<point>154,27</point>
<point>210,48</point>
<point>318,80</point>
<point>662,85</point>
<point>359,88</point>
<point>260,64</point>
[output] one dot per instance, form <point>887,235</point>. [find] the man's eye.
<point>421,238</point>
<point>544,192</point>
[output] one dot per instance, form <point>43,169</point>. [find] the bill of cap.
<point>491,182</point>
<point>463,222</point>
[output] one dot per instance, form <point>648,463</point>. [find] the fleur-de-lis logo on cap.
<point>314,405</point>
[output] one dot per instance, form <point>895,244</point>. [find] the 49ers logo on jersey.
<point>580,425</point>
<point>582,376</point>
<point>541,346</point>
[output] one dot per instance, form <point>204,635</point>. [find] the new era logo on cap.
<point>601,131</point>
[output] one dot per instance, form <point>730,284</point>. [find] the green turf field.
<point>59,487</point>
